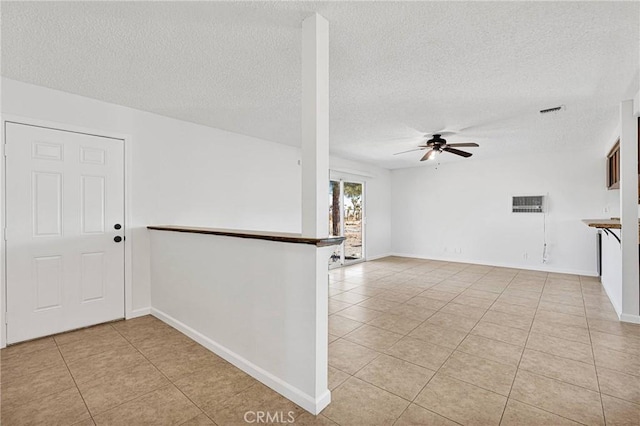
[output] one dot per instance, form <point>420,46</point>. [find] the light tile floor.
<point>412,342</point>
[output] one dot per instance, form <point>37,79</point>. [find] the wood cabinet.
<point>613,167</point>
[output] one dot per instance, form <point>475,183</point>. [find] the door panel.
<point>65,191</point>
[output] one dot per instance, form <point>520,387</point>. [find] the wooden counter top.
<point>612,223</point>
<point>256,235</point>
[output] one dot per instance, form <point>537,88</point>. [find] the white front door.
<point>64,215</point>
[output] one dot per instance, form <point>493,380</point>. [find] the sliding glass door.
<point>346,219</point>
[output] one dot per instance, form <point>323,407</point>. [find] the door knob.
<point>117,226</point>
<point>117,239</point>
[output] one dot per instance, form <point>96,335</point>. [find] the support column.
<point>629,213</point>
<point>315,186</point>
<point>315,127</point>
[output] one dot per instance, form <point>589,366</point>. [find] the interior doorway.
<point>347,219</point>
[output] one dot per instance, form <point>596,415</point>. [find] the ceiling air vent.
<point>528,204</point>
<point>556,109</point>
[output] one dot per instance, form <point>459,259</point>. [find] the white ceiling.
<point>397,68</point>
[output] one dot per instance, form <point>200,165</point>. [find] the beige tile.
<point>87,334</point>
<point>511,320</point>
<point>337,306</point>
<point>64,407</point>
<point>437,335</point>
<point>106,392</point>
<point>561,318</point>
<point>349,357</point>
<point>412,311</point>
<point>34,386</point>
<point>84,343</point>
<point>340,326</point>
<point>491,349</point>
<point>601,313</point>
<point>564,399</point>
<point>461,402</point>
<point>333,338</point>
<point>560,347</point>
<point>463,310</point>
<point>107,363</point>
<point>614,327</point>
<point>426,303</point>
<point>561,308</point>
<point>473,301</point>
<point>17,365</point>
<point>420,353</point>
<point>350,297</point>
<point>444,296</point>
<point>624,362</point>
<point>494,376</point>
<point>356,402</point>
<point>373,337</point>
<point>25,348</point>
<point>501,333</point>
<point>565,299</point>
<point>166,405</point>
<point>215,384</point>
<point>574,334</point>
<point>620,413</point>
<point>336,377</point>
<point>308,419</point>
<point>508,308</point>
<point>360,314</point>
<point>256,398</point>
<point>366,290</point>
<point>616,342</point>
<point>395,323</point>
<point>415,415</point>
<point>620,385</point>
<point>566,370</point>
<point>519,414</point>
<point>456,322</point>
<point>396,376</point>
<point>182,360</point>
<point>480,294</point>
<point>378,304</point>
<point>199,420</point>
<point>395,295</point>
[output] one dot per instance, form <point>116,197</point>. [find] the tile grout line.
<point>74,379</point>
<point>595,368</point>
<point>524,348</point>
<point>164,375</point>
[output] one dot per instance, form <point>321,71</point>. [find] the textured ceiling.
<point>397,69</point>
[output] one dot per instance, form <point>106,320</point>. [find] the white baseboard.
<point>138,313</point>
<point>543,268</point>
<point>379,256</point>
<point>635,319</point>
<point>314,406</point>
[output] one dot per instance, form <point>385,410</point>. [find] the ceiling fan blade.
<point>464,144</point>
<point>457,152</point>
<point>429,155</point>
<point>411,150</point>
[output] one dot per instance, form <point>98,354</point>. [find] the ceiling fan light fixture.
<point>432,155</point>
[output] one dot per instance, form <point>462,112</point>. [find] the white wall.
<point>184,173</point>
<point>465,206</point>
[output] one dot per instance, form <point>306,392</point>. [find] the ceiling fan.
<point>437,145</point>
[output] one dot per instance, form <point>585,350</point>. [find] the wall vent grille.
<point>528,204</point>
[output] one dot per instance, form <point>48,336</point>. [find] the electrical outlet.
<point>525,256</point>
<point>606,209</point>
<point>458,250</point>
